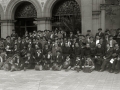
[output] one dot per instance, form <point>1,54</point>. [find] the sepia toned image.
<point>59,45</point>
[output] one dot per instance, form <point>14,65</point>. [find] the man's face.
<point>99,30</point>
<point>116,46</point>
<point>87,45</point>
<point>111,38</point>
<point>108,46</point>
<point>76,44</point>
<point>99,46</point>
<point>13,32</point>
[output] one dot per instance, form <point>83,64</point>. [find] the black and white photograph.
<point>59,44</point>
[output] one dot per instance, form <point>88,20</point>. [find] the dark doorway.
<point>66,15</point>
<point>25,16</point>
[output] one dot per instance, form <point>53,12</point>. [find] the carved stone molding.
<point>103,6</point>
<point>43,19</point>
<point>7,21</point>
<point>96,12</point>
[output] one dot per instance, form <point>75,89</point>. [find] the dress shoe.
<point>101,70</point>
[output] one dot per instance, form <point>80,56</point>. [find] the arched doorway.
<point>66,16</point>
<point>25,15</point>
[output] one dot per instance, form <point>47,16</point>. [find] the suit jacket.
<point>108,53</point>
<point>100,35</point>
<point>116,52</point>
<point>31,60</point>
<point>38,57</point>
<point>48,59</point>
<point>54,50</point>
<point>86,52</point>
<point>58,59</point>
<point>31,51</point>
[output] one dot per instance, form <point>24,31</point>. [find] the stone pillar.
<point>86,11</point>
<point>6,27</point>
<point>43,23</point>
<point>96,20</point>
<point>103,6</point>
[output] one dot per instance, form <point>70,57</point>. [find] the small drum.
<point>66,64</point>
<point>7,67</point>
<point>38,67</point>
<point>55,67</point>
<point>14,68</point>
<point>87,70</point>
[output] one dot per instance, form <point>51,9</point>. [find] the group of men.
<point>56,50</point>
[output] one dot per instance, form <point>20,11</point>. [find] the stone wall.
<point>90,12</point>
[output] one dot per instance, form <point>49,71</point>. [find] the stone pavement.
<point>58,80</point>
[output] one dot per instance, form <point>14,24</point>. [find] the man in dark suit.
<point>48,61</point>
<point>107,57</point>
<point>38,57</point>
<point>100,33</point>
<point>30,50</point>
<point>113,64</point>
<point>28,62</point>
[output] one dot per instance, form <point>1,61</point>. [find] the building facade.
<point>24,15</point>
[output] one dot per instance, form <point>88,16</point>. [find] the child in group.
<point>89,65</point>
<point>67,64</point>
<point>77,64</point>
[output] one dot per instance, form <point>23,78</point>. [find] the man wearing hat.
<point>100,33</point>
<point>89,33</point>
<point>14,34</point>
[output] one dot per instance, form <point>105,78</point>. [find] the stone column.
<point>102,7</point>
<point>43,23</point>
<point>6,27</point>
<point>86,11</point>
<point>96,25</point>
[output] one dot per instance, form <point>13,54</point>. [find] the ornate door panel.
<point>25,16</point>
<point>66,15</point>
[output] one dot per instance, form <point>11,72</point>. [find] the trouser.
<point>98,63</point>
<point>115,65</point>
<point>28,66</point>
<point>105,63</point>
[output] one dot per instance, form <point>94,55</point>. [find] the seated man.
<point>113,62</point>
<point>117,66</point>
<point>38,59</point>
<point>48,61</point>
<point>89,65</point>
<point>67,64</point>
<point>58,60</point>
<point>99,52</point>
<point>27,62</point>
<point>107,57</point>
